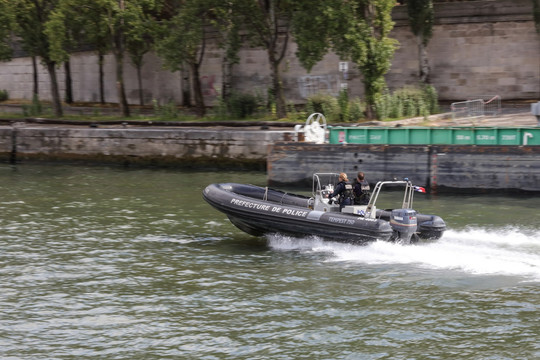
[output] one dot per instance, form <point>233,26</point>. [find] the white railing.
<point>488,105</point>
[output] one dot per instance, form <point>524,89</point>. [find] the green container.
<point>441,136</point>
<point>485,136</point>
<point>419,136</point>
<point>398,136</point>
<point>435,136</point>
<point>463,136</point>
<point>530,136</point>
<point>358,136</point>
<point>509,136</point>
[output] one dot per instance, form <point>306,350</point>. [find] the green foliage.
<point>181,36</point>
<point>266,24</point>
<point>241,105</point>
<point>169,111</point>
<point>4,95</point>
<point>406,103</point>
<point>340,109</point>
<point>6,23</point>
<point>421,18</point>
<point>536,14</point>
<point>355,30</point>
<point>34,109</point>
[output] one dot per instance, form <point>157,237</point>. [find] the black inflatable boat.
<point>259,210</point>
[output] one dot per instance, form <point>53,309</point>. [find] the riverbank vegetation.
<point>51,30</point>
<point>403,103</point>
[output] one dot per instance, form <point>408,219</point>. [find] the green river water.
<point>115,263</point>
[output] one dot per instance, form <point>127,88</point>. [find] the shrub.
<point>356,110</point>
<point>242,105</point>
<point>167,111</point>
<point>324,104</point>
<point>407,102</point>
<point>4,95</point>
<point>340,109</point>
<point>34,109</point>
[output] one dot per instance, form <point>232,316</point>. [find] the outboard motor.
<point>404,224</point>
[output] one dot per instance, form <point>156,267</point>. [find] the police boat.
<point>260,210</point>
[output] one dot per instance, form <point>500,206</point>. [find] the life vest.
<point>363,196</point>
<point>347,193</point>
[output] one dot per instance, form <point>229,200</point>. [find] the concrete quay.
<point>216,147</point>
<point>272,147</point>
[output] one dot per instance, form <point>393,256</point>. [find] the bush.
<point>167,111</point>
<point>35,109</point>
<point>324,104</point>
<point>242,105</point>
<point>407,102</point>
<point>4,95</point>
<point>340,109</point>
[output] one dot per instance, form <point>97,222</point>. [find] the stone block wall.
<point>158,146</point>
<point>478,48</point>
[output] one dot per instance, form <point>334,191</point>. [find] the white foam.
<point>474,251</point>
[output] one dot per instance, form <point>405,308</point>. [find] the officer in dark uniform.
<point>344,190</point>
<point>361,189</point>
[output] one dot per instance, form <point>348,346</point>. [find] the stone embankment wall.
<point>478,48</point>
<point>465,168</point>
<point>440,168</point>
<point>145,146</point>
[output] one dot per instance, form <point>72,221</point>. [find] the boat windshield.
<point>324,182</point>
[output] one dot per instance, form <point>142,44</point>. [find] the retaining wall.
<point>438,167</point>
<point>160,146</point>
<point>478,48</point>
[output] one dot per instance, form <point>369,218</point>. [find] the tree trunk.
<point>370,93</point>
<point>186,89</point>
<point>139,81</point>
<point>35,76</point>
<point>101,84</point>
<point>122,99</point>
<point>200,108</point>
<point>57,106</point>
<point>69,90</point>
<point>424,69</point>
<point>281,108</point>
<point>226,84</point>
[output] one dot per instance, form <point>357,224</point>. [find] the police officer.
<point>344,190</point>
<point>361,190</point>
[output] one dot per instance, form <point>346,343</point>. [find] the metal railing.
<point>486,105</point>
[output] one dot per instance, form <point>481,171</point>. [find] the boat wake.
<point>478,251</point>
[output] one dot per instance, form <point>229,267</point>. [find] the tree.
<point>119,16</point>
<point>5,30</point>
<point>230,41</point>
<point>30,17</point>
<point>355,30</point>
<point>267,23</point>
<point>74,22</point>
<point>183,43</point>
<point>139,41</point>
<point>421,22</point>
<point>536,14</point>
<point>62,29</point>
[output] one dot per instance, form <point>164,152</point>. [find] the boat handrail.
<point>407,197</point>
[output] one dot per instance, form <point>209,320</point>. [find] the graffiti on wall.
<point>318,84</point>
<point>207,84</point>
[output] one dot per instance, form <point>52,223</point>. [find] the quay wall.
<point>239,148</point>
<point>440,168</point>
<point>437,167</point>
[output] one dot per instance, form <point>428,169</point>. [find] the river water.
<point>114,263</point>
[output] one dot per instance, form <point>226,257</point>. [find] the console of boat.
<point>261,210</point>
